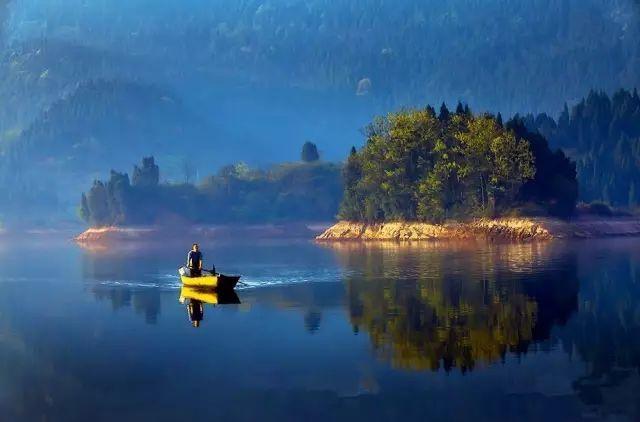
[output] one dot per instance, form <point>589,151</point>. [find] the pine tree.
<point>85,212</point>
<point>146,176</point>
<point>444,113</point>
<point>309,152</point>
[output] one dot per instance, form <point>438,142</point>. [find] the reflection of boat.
<point>218,281</point>
<point>223,297</point>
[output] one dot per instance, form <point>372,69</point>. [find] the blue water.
<point>323,332</point>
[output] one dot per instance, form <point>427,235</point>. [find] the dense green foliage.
<point>419,166</point>
<point>236,194</point>
<point>602,134</point>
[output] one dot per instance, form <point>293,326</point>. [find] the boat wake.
<point>251,281</point>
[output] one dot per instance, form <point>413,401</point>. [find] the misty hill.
<point>100,125</point>
<point>115,119</point>
<point>398,53</point>
<point>602,133</point>
<point>36,74</point>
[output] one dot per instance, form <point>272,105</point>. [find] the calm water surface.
<point>323,332</point>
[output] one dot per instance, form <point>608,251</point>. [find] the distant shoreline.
<point>523,229</point>
<point>95,235</point>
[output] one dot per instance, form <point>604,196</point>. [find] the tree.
<point>85,212</point>
<point>310,152</point>
<point>118,192</point>
<point>444,113</point>
<point>98,205</point>
<point>351,202</point>
<point>188,170</point>
<point>148,175</point>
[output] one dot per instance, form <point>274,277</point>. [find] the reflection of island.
<point>111,277</point>
<point>439,317</point>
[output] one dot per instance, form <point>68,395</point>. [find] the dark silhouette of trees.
<point>236,194</point>
<point>602,134</point>
<point>310,152</point>
<point>555,185</point>
<point>148,175</point>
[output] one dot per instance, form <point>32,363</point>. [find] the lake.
<point>452,331</point>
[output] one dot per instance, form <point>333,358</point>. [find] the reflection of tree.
<point>145,301</point>
<point>606,332</point>
<point>107,268</point>
<point>460,307</point>
<point>312,319</point>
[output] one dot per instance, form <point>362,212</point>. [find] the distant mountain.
<point>99,119</point>
<point>36,74</point>
<point>516,56</point>
<point>99,125</point>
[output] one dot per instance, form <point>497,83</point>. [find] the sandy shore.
<point>510,229</point>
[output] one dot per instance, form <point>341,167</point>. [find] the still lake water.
<point>323,332</point>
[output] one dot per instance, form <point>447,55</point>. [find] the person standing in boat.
<point>194,261</point>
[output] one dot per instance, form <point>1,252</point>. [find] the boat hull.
<point>215,282</point>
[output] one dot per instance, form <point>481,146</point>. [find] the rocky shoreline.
<point>501,229</point>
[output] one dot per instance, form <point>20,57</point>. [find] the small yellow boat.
<point>207,296</point>
<point>210,281</point>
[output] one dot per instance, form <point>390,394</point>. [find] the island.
<point>428,176</point>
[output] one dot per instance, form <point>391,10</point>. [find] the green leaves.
<point>417,166</point>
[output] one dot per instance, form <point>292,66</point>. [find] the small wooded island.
<point>457,176</point>
<point>420,175</point>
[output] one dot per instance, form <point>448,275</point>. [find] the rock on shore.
<point>513,229</point>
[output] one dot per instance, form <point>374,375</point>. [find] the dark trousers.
<point>195,272</point>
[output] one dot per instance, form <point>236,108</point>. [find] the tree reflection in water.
<point>605,334</point>
<point>112,275</point>
<point>423,310</point>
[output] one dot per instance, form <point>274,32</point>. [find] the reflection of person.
<point>194,261</point>
<point>195,308</point>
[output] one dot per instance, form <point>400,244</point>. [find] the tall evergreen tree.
<point>444,113</point>
<point>309,152</point>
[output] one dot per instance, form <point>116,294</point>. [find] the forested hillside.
<point>37,73</point>
<point>602,134</point>
<point>99,125</point>
<point>100,119</point>
<point>409,51</point>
